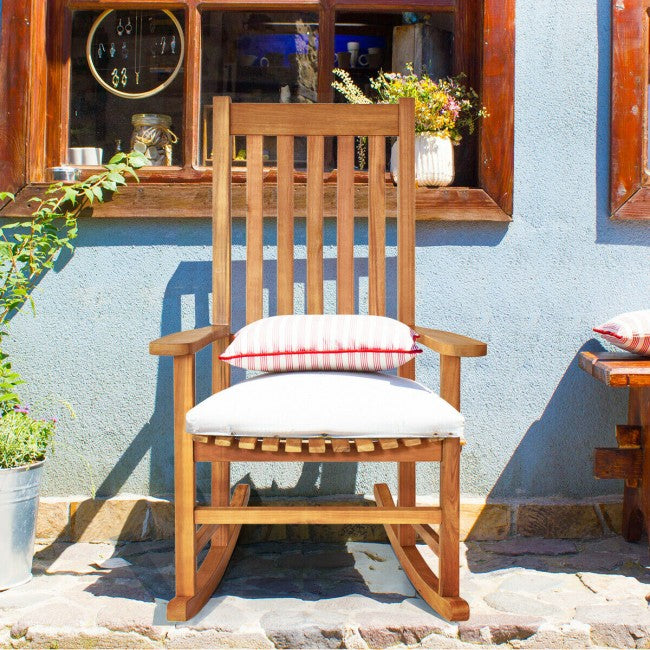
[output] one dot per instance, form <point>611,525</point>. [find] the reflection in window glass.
<point>133,52</point>
<point>366,43</point>
<point>257,57</point>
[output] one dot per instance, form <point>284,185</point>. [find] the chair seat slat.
<point>340,445</point>
<point>293,445</point>
<point>270,444</point>
<point>364,444</point>
<point>317,446</point>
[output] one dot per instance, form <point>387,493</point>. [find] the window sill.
<point>194,201</point>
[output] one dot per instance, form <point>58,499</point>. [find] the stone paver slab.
<point>523,592</point>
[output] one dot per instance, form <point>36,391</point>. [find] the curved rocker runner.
<point>218,524</point>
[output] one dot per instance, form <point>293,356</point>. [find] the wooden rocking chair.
<point>219,524</point>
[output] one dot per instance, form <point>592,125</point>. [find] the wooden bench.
<point>631,459</point>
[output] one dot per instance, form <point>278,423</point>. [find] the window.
<point>86,98</point>
<point>116,104</point>
<point>629,164</point>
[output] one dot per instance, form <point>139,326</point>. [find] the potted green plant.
<point>444,109</point>
<point>27,250</point>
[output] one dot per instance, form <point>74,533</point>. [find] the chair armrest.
<point>188,342</point>
<point>450,344</point>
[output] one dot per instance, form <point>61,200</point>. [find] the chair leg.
<point>220,498</point>
<point>184,487</point>
<point>453,608</point>
<point>449,572</point>
<point>406,498</point>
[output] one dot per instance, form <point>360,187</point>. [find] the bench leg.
<point>636,501</point>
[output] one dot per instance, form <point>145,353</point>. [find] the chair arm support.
<point>451,344</point>
<point>188,342</point>
<point>451,348</point>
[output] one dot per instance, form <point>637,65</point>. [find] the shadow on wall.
<point>557,449</point>
<point>191,286</point>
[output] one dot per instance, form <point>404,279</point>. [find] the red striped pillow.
<point>329,342</point>
<point>629,331</point>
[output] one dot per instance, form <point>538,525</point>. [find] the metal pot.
<point>19,489</point>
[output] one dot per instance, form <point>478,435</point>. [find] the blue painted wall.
<point>532,289</point>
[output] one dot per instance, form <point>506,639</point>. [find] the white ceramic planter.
<point>19,488</point>
<point>434,160</point>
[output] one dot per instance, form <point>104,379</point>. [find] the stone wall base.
<point>140,518</point>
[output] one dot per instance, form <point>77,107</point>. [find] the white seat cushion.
<point>336,404</point>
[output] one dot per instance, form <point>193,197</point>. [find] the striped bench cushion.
<point>629,331</point>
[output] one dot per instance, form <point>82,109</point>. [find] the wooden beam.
<point>618,463</point>
<point>316,515</point>
<point>337,451</point>
<point>192,200</point>
<point>629,436</point>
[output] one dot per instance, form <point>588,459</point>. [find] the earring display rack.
<point>135,53</point>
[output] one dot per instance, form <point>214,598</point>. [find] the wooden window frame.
<point>629,179</point>
<point>30,144</point>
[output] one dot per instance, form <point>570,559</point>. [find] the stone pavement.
<point>524,592</point>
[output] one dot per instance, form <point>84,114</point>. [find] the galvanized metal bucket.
<point>19,489</point>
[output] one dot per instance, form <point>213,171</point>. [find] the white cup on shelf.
<point>353,49</point>
<point>76,155</point>
<point>89,156</point>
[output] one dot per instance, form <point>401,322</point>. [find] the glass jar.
<point>152,137</point>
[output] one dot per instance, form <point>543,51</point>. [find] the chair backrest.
<point>315,121</point>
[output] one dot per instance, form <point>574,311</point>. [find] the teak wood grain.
<point>631,461</point>
<point>616,368</point>
<point>183,200</point>
<point>316,515</point>
<point>254,228</point>
<point>618,463</point>
<point>220,522</point>
<point>345,226</point>
<point>629,196</point>
<point>336,451</point>
<point>376,226</point>
<point>314,204</point>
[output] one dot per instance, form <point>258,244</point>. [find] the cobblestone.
<point>523,593</point>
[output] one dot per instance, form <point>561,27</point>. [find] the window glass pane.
<point>127,89</point>
<point>366,43</point>
<point>257,57</point>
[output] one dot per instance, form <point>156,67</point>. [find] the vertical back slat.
<point>221,233</point>
<point>285,224</point>
<point>345,226</point>
<point>376,225</point>
<point>406,223</point>
<point>315,153</point>
<point>254,227</point>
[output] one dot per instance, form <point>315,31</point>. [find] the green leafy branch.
<point>29,248</point>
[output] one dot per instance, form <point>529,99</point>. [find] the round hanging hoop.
<point>147,93</point>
